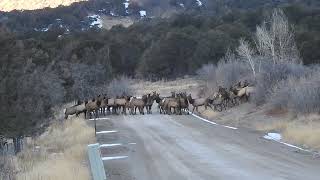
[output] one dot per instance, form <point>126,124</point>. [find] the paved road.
<point>162,147</point>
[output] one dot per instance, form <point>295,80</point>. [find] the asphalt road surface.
<point>162,147</point>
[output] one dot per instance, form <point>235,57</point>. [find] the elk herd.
<point>177,103</point>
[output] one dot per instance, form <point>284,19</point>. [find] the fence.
<point>11,146</point>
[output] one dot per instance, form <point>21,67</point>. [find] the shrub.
<point>120,86</point>
<point>225,74</point>
<point>270,75</point>
<point>301,95</point>
<point>87,79</point>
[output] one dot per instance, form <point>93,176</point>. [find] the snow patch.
<point>182,5</point>
<point>273,136</point>
<point>95,21</point>
<point>277,137</point>
<point>102,10</point>
<point>199,2</point>
<point>112,13</point>
<point>143,13</point>
<point>41,29</point>
<point>126,5</point>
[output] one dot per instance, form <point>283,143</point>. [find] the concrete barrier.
<point>97,167</point>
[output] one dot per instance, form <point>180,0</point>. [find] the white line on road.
<point>106,132</point>
<point>205,120</point>
<point>115,144</point>
<point>277,138</point>
<point>110,145</point>
<point>113,158</point>
<point>230,127</point>
<point>99,119</point>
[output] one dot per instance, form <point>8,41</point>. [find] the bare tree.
<point>246,52</point>
<point>120,86</point>
<point>275,39</point>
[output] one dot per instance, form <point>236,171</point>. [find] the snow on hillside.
<point>199,2</point>
<point>143,13</point>
<point>95,20</point>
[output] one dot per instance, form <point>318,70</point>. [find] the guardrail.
<point>97,167</point>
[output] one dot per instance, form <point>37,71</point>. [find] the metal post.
<point>95,126</point>
<point>97,167</point>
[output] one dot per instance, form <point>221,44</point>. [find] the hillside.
<point>67,47</point>
<point>9,5</point>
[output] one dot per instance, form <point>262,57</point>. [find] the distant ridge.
<point>10,5</point>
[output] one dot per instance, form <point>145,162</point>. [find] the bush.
<point>87,80</point>
<point>270,75</point>
<point>301,95</point>
<point>207,72</point>
<point>119,87</point>
<point>225,74</point>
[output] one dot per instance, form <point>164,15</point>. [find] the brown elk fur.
<point>199,102</point>
<point>76,109</point>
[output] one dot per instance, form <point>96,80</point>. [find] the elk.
<point>122,103</point>
<point>138,103</point>
<point>149,103</point>
<point>224,95</point>
<point>104,104</point>
<point>243,92</point>
<point>160,102</point>
<point>170,103</point>
<point>184,102</point>
<point>93,106</point>
<point>76,109</point>
<point>111,105</point>
<point>198,102</point>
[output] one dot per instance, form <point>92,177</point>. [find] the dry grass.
<point>189,85</point>
<point>303,131</point>
<point>60,153</point>
<point>7,167</point>
<point>108,22</point>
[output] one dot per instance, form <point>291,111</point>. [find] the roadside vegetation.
<point>59,153</point>
<point>272,64</point>
<point>277,51</point>
<point>76,65</point>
